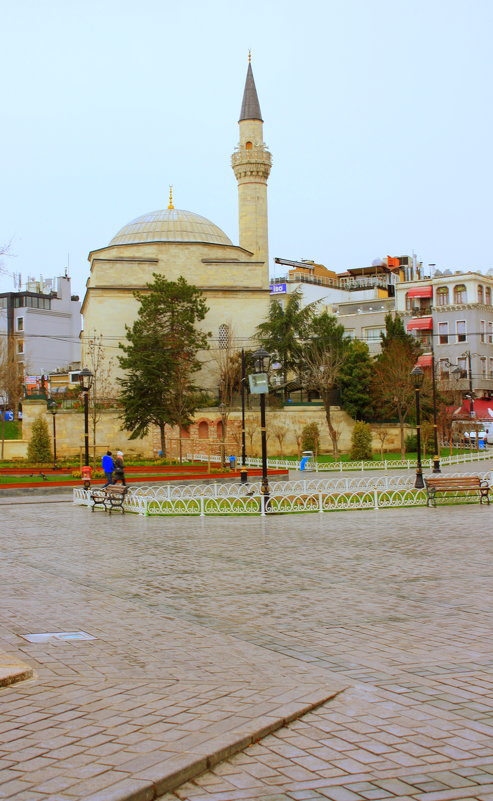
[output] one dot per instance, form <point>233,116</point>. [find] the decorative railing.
<point>339,467</point>
<point>311,495</point>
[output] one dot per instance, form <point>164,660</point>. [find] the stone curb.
<point>13,670</point>
<point>159,779</point>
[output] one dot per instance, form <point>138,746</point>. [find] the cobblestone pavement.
<point>209,632</point>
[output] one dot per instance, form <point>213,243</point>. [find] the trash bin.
<point>232,462</point>
<point>86,473</point>
<point>307,460</point>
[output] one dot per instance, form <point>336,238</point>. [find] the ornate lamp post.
<point>85,378</point>
<point>259,385</point>
<point>243,468</point>
<point>53,408</point>
<point>417,376</point>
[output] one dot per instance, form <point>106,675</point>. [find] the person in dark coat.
<point>119,474</point>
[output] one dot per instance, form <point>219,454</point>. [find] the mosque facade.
<point>234,279</point>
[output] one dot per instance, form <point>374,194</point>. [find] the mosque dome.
<point>170,225</point>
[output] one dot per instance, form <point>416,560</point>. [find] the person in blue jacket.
<point>108,466</point>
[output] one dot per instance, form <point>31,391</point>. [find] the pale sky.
<point>378,115</point>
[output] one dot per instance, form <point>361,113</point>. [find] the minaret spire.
<point>251,163</point>
<point>170,204</point>
<point>250,107</point>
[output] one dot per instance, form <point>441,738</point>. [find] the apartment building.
<point>41,324</point>
<point>451,313</point>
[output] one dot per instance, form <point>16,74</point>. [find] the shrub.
<point>361,442</point>
<point>310,438</point>
<point>39,448</point>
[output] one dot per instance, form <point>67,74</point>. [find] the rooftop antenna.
<point>67,268</point>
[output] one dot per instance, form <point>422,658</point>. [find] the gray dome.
<point>170,225</point>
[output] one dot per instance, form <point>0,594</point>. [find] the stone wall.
<point>284,427</point>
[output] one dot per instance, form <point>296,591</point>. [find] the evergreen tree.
<point>161,357</point>
<point>355,381</point>
<point>39,448</point>
<point>310,438</point>
<point>395,332</point>
<point>361,448</point>
<point>285,329</point>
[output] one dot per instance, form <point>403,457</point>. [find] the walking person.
<point>108,466</point>
<point>119,474</point>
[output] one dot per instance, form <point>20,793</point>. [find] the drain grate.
<point>58,635</point>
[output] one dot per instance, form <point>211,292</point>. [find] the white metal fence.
<point>311,495</point>
<point>335,467</point>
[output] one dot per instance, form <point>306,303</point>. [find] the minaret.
<point>251,163</point>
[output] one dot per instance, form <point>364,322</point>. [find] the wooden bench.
<point>111,497</point>
<point>466,485</point>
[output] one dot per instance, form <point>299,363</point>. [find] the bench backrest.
<point>466,481</point>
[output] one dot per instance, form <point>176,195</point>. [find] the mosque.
<point>234,279</point>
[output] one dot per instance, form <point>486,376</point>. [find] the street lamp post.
<point>417,376</point>
<point>436,457</point>
<point>259,385</point>
<point>243,468</point>
<point>53,408</point>
<point>85,378</point>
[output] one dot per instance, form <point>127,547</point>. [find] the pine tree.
<point>161,357</point>
<point>361,442</point>
<point>355,381</point>
<point>39,448</point>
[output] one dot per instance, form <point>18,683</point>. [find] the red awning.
<point>420,324</point>
<point>483,409</point>
<point>421,292</point>
<point>425,360</point>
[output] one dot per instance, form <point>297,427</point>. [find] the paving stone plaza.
<point>341,656</point>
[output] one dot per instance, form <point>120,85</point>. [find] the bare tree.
<point>102,390</point>
<point>251,428</point>
<point>228,361</point>
<point>280,431</point>
<point>11,382</point>
<point>382,435</point>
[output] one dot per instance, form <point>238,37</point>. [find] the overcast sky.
<point>378,115</point>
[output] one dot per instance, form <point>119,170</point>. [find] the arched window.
<point>223,336</point>
<point>185,433</point>
<point>460,293</point>
<point>203,430</point>
<point>248,145</point>
<point>487,296</point>
<point>480,294</point>
<point>220,429</point>
<point>442,296</point>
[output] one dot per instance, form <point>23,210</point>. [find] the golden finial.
<point>170,204</point>
<point>249,56</point>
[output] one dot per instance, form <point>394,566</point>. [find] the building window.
<point>444,368</point>
<point>462,365</point>
<point>482,328</point>
<point>409,303</point>
<point>20,323</point>
<point>461,331</point>
<point>248,146</point>
<point>460,293</point>
<point>443,333</point>
<point>480,294</point>
<point>442,296</point>
<point>223,336</point>
<point>487,296</point>
<point>490,333</point>
<point>483,367</point>
<point>491,368</point>
<point>373,334</point>
<point>219,429</point>
<point>20,346</point>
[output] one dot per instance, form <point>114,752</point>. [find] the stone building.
<point>233,278</point>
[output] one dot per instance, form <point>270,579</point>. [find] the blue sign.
<point>278,289</point>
